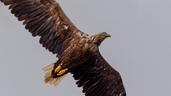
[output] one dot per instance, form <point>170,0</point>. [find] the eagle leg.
<point>62,72</point>
<point>50,79</point>
<point>58,68</point>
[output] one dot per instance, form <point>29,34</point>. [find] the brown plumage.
<point>77,52</point>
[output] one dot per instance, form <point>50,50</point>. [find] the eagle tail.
<point>48,76</point>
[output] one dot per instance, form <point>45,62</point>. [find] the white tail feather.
<point>48,78</point>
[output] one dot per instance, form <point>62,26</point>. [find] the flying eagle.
<point>77,52</point>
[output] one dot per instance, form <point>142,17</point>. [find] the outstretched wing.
<point>46,19</point>
<point>98,78</point>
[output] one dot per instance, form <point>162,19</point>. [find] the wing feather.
<point>46,19</point>
<point>98,78</point>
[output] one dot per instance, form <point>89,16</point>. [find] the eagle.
<point>77,52</point>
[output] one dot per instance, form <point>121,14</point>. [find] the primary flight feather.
<point>77,52</point>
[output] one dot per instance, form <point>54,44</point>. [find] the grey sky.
<point>140,47</point>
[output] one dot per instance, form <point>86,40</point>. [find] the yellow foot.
<point>61,72</point>
<point>58,69</point>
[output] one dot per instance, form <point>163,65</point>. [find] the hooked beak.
<point>108,35</point>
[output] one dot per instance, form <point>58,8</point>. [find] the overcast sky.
<point>140,47</point>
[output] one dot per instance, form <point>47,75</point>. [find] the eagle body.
<point>77,52</point>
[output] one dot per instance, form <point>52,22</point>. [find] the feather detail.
<point>98,78</point>
<point>46,19</point>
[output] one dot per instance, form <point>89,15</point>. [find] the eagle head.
<point>98,38</point>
